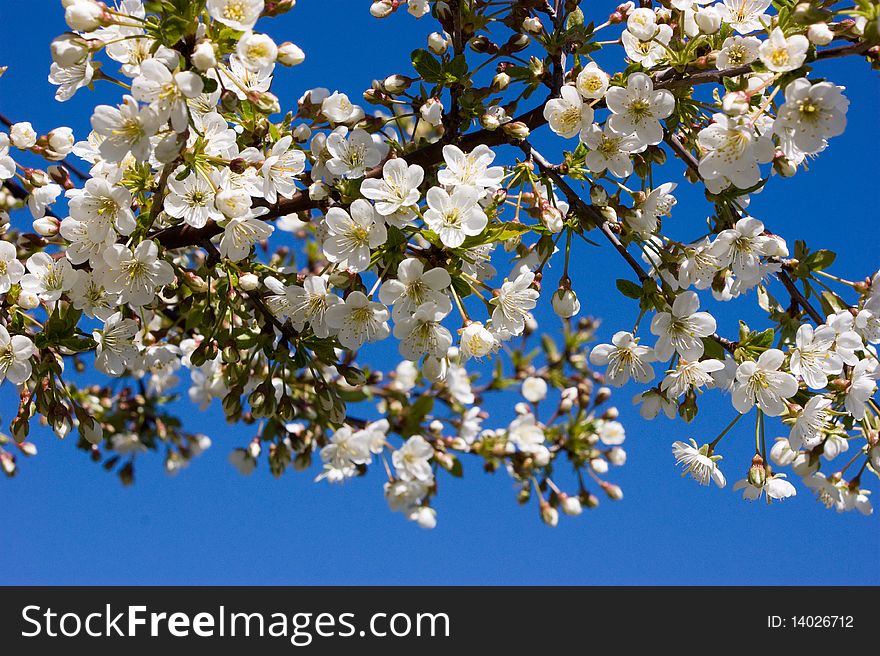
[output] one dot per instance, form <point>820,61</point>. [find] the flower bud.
<point>91,431</point>
<point>28,300</point>
<point>382,8</point>
<point>516,129</point>
<point>204,57</point>
<point>434,369</point>
<point>318,191</point>
<point>598,195</point>
<point>169,147</point>
<point>302,133</point>
<point>233,202</point>
<point>735,103</point>
<point>489,121</point>
<point>290,54</point>
<point>613,491</point>
<point>59,143</point>
<point>570,505</point>
<point>534,390</point>
<point>23,136</point>
<point>249,282</point>
<point>708,20</point>
<point>820,34</point>
<point>84,16</point>
<point>533,25</point>
<point>69,50</point>
<point>517,43</point>
<point>549,514</point>
<point>395,84</point>
<point>757,472</point>
<point>437,43</point>
<point>500,82</point>
<point>425,517</point>
<point>565,303</point>
<point>266,102</point>
<point>47,226</point>
<point>784,167</point>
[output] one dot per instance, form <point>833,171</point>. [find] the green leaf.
<point>820,260</point>
<point>629,288</point>
<point>428,66</point>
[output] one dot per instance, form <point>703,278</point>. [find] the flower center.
<point>640,108</point>
<point>234,10</point>
<point>779,57</point>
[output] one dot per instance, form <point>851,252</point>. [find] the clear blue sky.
<point>67,521</point>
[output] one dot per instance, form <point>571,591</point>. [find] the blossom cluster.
<point>267,254</point>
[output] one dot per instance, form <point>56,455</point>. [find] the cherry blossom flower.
<point>347,449</point>
<point>166,92</point>
<point>514,301</point>
<point>241,233</point>
<point>103,207</point>
<point>351,236</point>
<point>280,169</point>
<point>624,359</point>
<point>690,376</point>
<point>733,151</point>
<point>649,52</point>
<point>412,460</point>
<point>697,462</point>
<point>526,434</point>
<point>742,247</point>
<point>812,359</point>
<point>471,170</point>
<point>781,54</point>
<point>116,345</point>
<point>237,14</point>
<point>191,199</point>
<point>256,51</point>
<point>413,287</point>
<point>126,129</point>
<point>48,278</point>
<point>397,190</point>
<point>812,113</point>
<point>762,383</point>
<point>681,329</point>
<point>806,432</point>
<point>11,270</point>
<point>351,154</point>
<point>863,384</point>
<point>308,304</point>
<point>737,51</point>
<point>568,115</point>
<point>358,320</point>
<point>136,275</point>
<point>610,150</point>
<point>775,487</point>
<point>456,216</point>
<point>476,341</point>
<point>637,108</point>
<point>422,333</point>
<point>592,82</point>
<point>15,357</point>
<point>745,16</point>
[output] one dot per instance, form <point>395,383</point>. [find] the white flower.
<point>568,115</point>
<point>781,54</point>
<point>41,198</point>
<point>11,270</point>
<point>745,16</point>
<point>512,304</point>
<point>167,93</point>
<point>610,150</point>
<point>471,170</point>
<point>351,157</point>
<point>647,53</point>
<point>732,151</point>
<point>69,79</point>
<point>457,382</point>
<point>853,499</point>
<point>827,493</point>
<point>659,202</point>
<point>761,382</point>
<point>126,129</point>
<point>637,109</point>
<point>351,236</point>
<point>806,432</point>
<point>422,334</point>
<point>813,360</point>
<point>592,81</point>
<point>565,303</point>
<point>476,341</point>
<point>358,320</point>
<point>414,286</point>
<point>256,51</point>
<point>863,383</point>
<point>690,375</point>
<point>681,329</point>
<point>7,164</point>
<point>611,433</point>
<point>526,434</point>
<point>309,304</point>
<point>103,207</point>
<point>191,199</point>
<point>412,460</point>
<point>397,190</point>
<point>625,359</point>
<point>88,294</point>
<point>290,54</point>
<point>432,112</point>
<point>243,81</point>
<point>339,109</point>
<point>136,275</point>
<point>48,278</point>
<point>116,345</point>
<point>652,402</point>
<point>695,461</point>
<point>737,51</point>
<point>347,448</point>
<point>15,357</point>
<point>23,135</point>
<point>812,113</point>
<point>776,487</point>
<point>240,235</point>
<point>454,217</point>
<point>534,390</point>
<point>86,242</point>
<point>237,14</point>
<point>642,23</point>
<point>280,169</point>
<point>741,248</point>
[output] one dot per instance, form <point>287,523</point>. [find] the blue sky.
<point>66,521</point>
